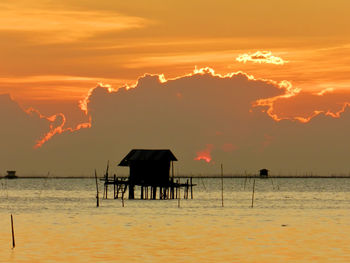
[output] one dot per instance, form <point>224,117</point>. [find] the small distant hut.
<point>11,175</point>
<point>148,168</point>
<point>264,173</point>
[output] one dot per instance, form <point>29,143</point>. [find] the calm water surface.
<point>293,220</point>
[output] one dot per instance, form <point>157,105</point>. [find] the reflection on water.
<point>293,220</point>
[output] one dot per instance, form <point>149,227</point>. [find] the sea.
<point>291,220</point>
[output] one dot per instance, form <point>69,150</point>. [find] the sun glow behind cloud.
<point>83,103</point>
<point>57,123</point>
<point>205,154</point>
<point>261,57</point>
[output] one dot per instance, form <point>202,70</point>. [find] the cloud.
<point>57,124</point>
<point>17,123</point>
<point>261,57</point>
<point>18,134</point>
<point>182,113</point>
<point>55,25</point>
<point>222,112</point>
<point>202,114</point>
<point>50,88</point>
<point>304,106</point>
<point>324,91</point>
<point>189,57</point>
<point>205,154</point>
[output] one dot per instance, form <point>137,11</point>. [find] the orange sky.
<point>53,52</point>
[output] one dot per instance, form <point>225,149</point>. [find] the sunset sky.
<point>60,59</point>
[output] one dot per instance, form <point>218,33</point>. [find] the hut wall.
<point>150,172</point>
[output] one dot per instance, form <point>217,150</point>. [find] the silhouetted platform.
<point>169,190</point>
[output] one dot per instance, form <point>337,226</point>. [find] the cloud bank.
<point>205,118</point>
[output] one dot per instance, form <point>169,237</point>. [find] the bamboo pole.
<point>191,188</point>
<point>97,197</point>
<point>114,179</point>
<point>106,180</point>
<point>253,193</point>
<point>123,192</point>
<point>123,199</point>
<point>13,233</point>
<point>172,180</point>
<point>222,185</point>
<point>177,181</point>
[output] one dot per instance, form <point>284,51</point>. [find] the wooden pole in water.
<point>177,182</point>
<point>245,181</point>
<point>13,233</point>
<point>191,188</point>
<point>222,185</point>
<point>97,198</point>
<point>122,198</point>
<point>253,193</point>
<point>273,187</point>
<point>172,181</point>
<point>106,179</point>
<point>114,179</point>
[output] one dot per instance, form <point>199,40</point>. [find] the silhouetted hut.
<point>11,175</point>
<point>148,168</point>
<point>264,173</point>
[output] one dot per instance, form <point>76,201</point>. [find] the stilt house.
<point>148,168</point>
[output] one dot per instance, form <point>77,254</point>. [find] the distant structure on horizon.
<point>11,175</point>
<point>264,173</point>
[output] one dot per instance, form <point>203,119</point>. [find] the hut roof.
<point>264,170</point>
<point>147,155</point>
